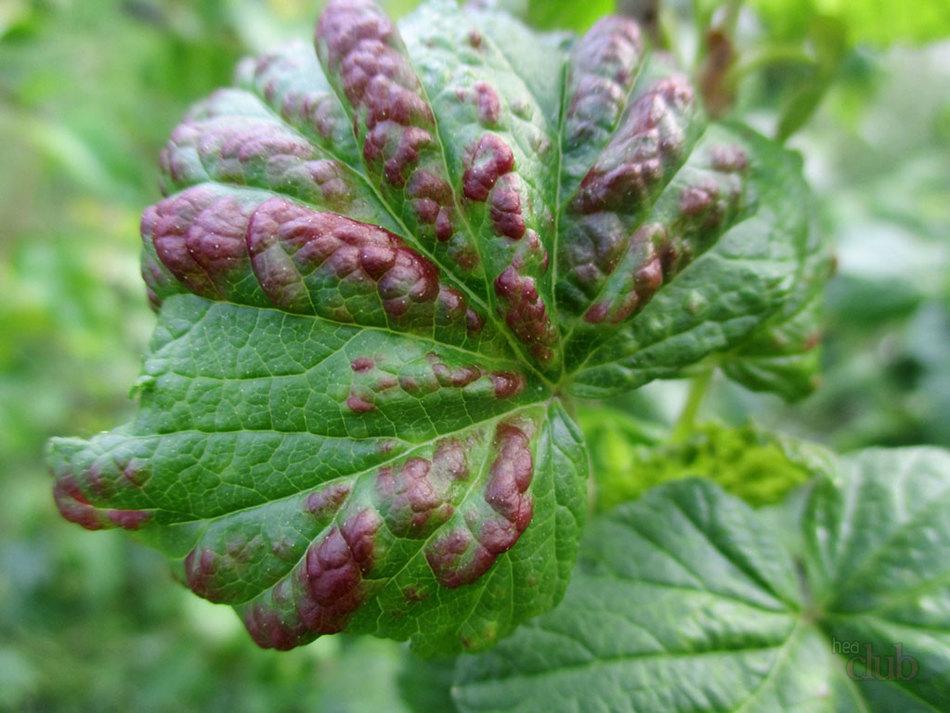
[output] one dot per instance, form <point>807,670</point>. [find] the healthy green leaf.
<point>783,356</point>
<point>758,466</point>
<point>379,267</point>
<point>876,22</point>
<point>569,16</point>
<point>688,600</point>
<point>425,685</point>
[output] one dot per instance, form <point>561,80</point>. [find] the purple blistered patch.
<point>474,321</point>
<point>274,627</point>
<point>361,45</point>
<point>650,139</point>
<point>695,200</point>
<point>416,496</point>
<point>458,557</point>
<point>507,384</point>
<point>457,376</point>
<point>506,207</point>
<point>397,147</point>
<point>333,571</point>
<point>128,519</point>
<point>486,161</point>
<point>287,240</point>
<point>510,478</point>
<point>95,481</point>
<point>644,278</point>
<point>453,309</point>
<point>595,247</point>
<point>199,235</point>
<point>281,77</point>
<point>159,282</point>
<point>201,566</point>
<point>504,384</point>
<point>597,312</point>
<point>525,313</point>
<point>487,104</point>
<point>329,177</point>
<point>326,501</point>
<point>385,382</point>
<point>359,403</point>
<point>230,146</point>
<point>729,159</point>
<point>432,200</point>
<point>648,278</point>
<point>707,203</point>
<point>603,67</point>
<point>361,364</point>
<point>74,506</point>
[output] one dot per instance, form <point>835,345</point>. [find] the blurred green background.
<point>89,90</point>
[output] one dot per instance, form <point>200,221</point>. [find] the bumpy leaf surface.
<point>379,266</point>
<point>688,600</point>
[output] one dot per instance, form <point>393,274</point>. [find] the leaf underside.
<point>378,267</point>
<point>688,600</point>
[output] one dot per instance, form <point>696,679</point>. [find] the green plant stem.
<point>731,17</point>
<point>686,422</point>
<point>781,54</point>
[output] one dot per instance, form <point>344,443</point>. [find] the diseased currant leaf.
<point>379,265</point>
<point>317,475</point>
<point>688,600</point>
<point>733,288</point>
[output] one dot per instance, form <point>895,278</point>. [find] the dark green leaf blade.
<point>668,611</point>
<point>783,356</point>
<point>877,549</point>
<point>304,443</point>
<point>687,600</point>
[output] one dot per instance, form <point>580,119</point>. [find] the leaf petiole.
<point>686,422</point>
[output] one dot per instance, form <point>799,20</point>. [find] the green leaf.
<point>577,16</point>
<point>302,442</point>
<point>784,356</point>
<point>425,685</point>
<point>617,441</point>
<point>726,294</point>
<point>758,466</point>
<point>378,266</point>
<point>876,22</point>
<point>688,600</point>
<point>877,544</point>
<point>544,14</point>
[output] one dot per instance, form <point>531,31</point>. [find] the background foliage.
<point>89,91</point>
